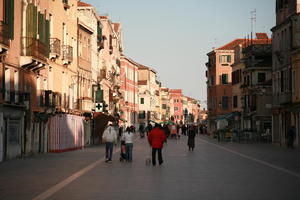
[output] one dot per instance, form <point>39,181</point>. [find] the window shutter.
<point>41,27</point>
<point>47,35</point>
<point>9,16</point>
<point>29,21</point>
<point>99,33</point>
<point>229,58</point>
<point>224,78</point>
<point>34,22</point>
<point>99,96</point>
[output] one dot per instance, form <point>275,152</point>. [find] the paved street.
<point>213,171</point>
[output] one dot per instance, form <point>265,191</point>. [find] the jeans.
<point>129,147</point>
<point>160,160</point>
<point>108,150</point>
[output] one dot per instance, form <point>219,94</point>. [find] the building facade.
<point>176,105</point>
<point>257,86</point>
<point>219,84</point>
<point>130,91</point>
<point>284,69</point>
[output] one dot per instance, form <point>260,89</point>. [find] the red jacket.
<point>156,138</point>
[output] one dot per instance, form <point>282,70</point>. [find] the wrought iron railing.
<point>67,52</point>
<point>34,47</point>
<point>55,47</point>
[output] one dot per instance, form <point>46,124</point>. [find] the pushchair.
<point>123,156</point>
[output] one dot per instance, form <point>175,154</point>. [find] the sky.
<point>174,36</point>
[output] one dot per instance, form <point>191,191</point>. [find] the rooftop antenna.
<point>215,43</point>
<point>253,21</point>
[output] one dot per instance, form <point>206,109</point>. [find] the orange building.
<point>219,87</point>
<point>176,105</point>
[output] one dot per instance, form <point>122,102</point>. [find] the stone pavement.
<point>213,171</point>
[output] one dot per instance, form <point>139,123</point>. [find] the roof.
<point>262,36</point>
<point>103,17</point>
<point>231,45</point>
<point>80,3</point>
<point>249,42</point>
<point>176,91</point>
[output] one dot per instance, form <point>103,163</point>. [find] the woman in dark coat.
<point>191,138</point>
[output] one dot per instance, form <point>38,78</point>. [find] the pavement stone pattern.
<point>208,172</point>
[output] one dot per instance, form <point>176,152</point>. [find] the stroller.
<point>123,156</point>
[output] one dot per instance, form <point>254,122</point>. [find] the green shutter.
<point>47,35</point>
<point>41,28</point>
<point>34,22</point>
<point>99,33</point>
<point>9,16</point>
<point>224,78</point>
<point>29,21</point>
<point>99,96</point>
<point>229,58</point>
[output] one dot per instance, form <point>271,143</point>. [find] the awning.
<point>228,116</point>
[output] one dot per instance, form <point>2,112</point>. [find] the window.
<point>142,114</point>
<point>261,77</point>
<point>225,58</point>
<point>7,84</point>
<point>164,106</point>
<point>224,79</point>
<point>142,100</point>
<point>212,80</point>
<point>236,77</point>
<point>235,101</point>
<point>176,108</point>
<point>225,102</point>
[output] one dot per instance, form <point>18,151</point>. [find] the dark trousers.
<point>108,150</point>
<point>160,160</point>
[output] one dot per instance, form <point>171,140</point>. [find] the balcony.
<point>67,53</point>
<point>4,35</point>
<point>32,47</point>
<point>16,97</point>
<point>54,48</point>
<point>47,99</point>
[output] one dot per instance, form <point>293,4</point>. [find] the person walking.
<point>156,139</point>
<point>291,137</point>
<point>191,138</point>
<point>110,137</point>
<point>127,137</point>
<point>142,131</point>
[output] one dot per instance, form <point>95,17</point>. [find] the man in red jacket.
<point>156,138</point>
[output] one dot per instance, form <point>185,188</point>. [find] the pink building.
<point>129,89</point>
<point>176,104</point>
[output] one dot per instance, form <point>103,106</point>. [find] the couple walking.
<point>110,138</point>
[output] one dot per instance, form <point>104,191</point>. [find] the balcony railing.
<point>16,97</point>
<point>54,47</point>
<point>35,48</point>
<point>67,52</point>
<point>4,34</point>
